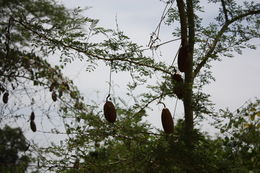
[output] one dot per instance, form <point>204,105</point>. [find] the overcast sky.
<point>237,79</point>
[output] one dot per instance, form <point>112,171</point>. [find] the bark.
<point>188,108</point>
<point>187,37</point>
<point>183,21</point>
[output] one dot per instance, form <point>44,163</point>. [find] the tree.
<point>34,30</point>
<point>219,38</point>
<point>12,144</point>
<point>240,130</point>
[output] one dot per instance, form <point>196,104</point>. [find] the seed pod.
<point>5,97</point>
<point>32,117</point>
<point>178,87</point>
<point>167,121</point>
<point>177,78</point>
<point>2,90</point>
<point>179,91</point>
<point>182,59</point>
<point>33,126</point>
<point>110,112</point>
<point>54,96</point>
<point>52,86</point>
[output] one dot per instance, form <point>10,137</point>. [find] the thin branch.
<point>94,55</point>
<point>224,9</point>
<point>218,37</point>
<point>156,33</point>
<point>156,46</point>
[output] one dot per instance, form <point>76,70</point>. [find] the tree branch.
<point>183,21</point>
<point>190,13</point>
<point>87,53</point>
<point>218,37</point>
<point>224,9</point>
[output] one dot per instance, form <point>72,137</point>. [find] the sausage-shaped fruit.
<point>167,121</point>
<point>110,112</point>
<point>54,96</point>
<point>5,97</point>
<point>32,117</point>
<point>182,59</point>
<point>177,78</point>
<point>33,126</point>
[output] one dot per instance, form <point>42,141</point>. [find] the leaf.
<point>247,125</point>
<point>252,117</point>
<point>252,110</point>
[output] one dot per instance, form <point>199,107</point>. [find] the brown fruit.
<point>110,112</point>
<point>52,86</point>
<point>167,121</point>
<point>178,87</point>
<point>33,126</point>
<point>5,97</point>
<point>54,96</point>
<point>178,90</point>
<point>182,59</point>
<point>177,78</point>
<point>32,117</point>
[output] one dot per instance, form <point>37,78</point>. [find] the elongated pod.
<point>54,96</point>
<point>33,126</point>
<point>182,59</point>
<point>167,121</point>
<point>179,86</point>
<point>32,117</point>
<point>5,97</point>
<point>110,112</point>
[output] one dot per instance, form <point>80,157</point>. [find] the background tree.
<point>227,34</point>
<point>13,146</point>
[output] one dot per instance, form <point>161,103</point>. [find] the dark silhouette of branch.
<point>224,9</point>
<point>218,36</point>
<point>90,54</point>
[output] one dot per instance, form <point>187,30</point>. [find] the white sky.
<point>237,79</point>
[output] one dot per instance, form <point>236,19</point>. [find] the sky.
<point>237,79</point>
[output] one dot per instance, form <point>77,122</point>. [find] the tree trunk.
<point>186,14</point>
<point>187,101</point>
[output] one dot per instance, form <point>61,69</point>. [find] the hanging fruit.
<point>5,97</point>
<point>182,58</point>
<point>177,78</point>
<point>109,111</point>
<point>179,92</point>
<point>33,126</point>
<point>178,85</point>
<point>52,86</point>
<point>54,96</point>
<point>167,121</point>
<point>109,108</point>
<point>32,117</point>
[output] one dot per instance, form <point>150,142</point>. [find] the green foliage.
<point>12,144</point>
<point>241,136</point>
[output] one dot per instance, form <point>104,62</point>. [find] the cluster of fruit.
<point>166,117</point>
